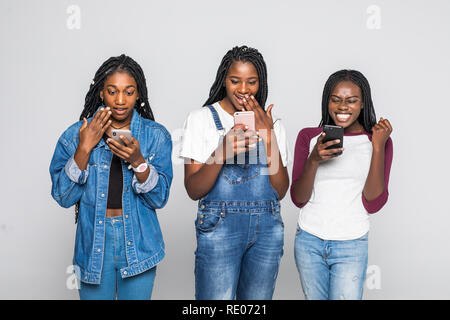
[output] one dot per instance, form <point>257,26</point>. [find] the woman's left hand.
<point>380,134</point>
<point>130,152</point>
<point>263,120</point>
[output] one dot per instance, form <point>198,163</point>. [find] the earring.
<point>142,103</point>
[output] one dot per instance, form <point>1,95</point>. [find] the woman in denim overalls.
<point>240,233</point>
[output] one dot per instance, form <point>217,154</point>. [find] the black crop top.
<point>115,187</point>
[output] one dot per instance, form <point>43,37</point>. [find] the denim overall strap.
<point>216,118</point>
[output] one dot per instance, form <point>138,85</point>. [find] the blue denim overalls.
<point>240,233</point>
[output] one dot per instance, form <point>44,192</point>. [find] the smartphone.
<point>245,117</point>
<point>333,133</point>
<point>116,133</point>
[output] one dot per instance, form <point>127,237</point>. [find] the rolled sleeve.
<point>376,204</point>
<point>148,184</point>
<point>74,173</point>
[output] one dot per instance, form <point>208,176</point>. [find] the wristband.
<point>140,168</point>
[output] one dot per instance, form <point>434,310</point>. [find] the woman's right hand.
<point>92,132</point>
<point>238,140</point>
<point>320,153</point>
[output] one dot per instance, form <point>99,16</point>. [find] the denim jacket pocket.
<point>208,220</point>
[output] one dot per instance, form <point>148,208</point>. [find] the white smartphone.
<point>116,133</point>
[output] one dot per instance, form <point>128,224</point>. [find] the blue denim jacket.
<point>143,238</point>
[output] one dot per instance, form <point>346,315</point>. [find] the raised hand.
<point>263,120</point>
<point>92,132</point>
<point>90,135</point>
<point>380,133</point>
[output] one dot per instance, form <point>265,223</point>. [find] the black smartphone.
<point>333,133</point>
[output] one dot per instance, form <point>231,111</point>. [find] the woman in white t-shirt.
<point>337,189</point>
<point>239,176</point>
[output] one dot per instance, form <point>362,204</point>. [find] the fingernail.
<point>246,127</point>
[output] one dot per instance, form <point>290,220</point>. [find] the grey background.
<point>47,68</point>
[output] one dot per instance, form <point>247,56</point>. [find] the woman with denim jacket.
<point>114,186</point>
<point>338,187</point>
<point>239,179</point>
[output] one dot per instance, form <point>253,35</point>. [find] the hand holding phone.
<point>327,146</point>
<point>333,133</point>
<point>116,133</point>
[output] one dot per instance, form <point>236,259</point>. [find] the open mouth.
<point>240,99</point>
<point>120,111</point>
<point>343,117</point>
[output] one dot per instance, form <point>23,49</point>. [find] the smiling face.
<point>242,79</point>
<point>120,94</point>
<point>345,105</point>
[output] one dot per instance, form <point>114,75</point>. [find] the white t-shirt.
<point>201,136</point>
<point>337,209</point>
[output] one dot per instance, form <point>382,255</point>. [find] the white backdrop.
<point>51,50</point>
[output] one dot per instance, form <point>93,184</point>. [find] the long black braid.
<point>93,101</point>
<point>244,54</point>
<point>367,117</point>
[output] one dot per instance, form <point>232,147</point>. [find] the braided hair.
<point>367,117</point>
<point>93,101</point>
<point>121,63</point>
<point>243,54</point>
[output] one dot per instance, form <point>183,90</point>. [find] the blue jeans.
<point>112,286</point>
<point>331,269</point>
<point>238,252</point>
